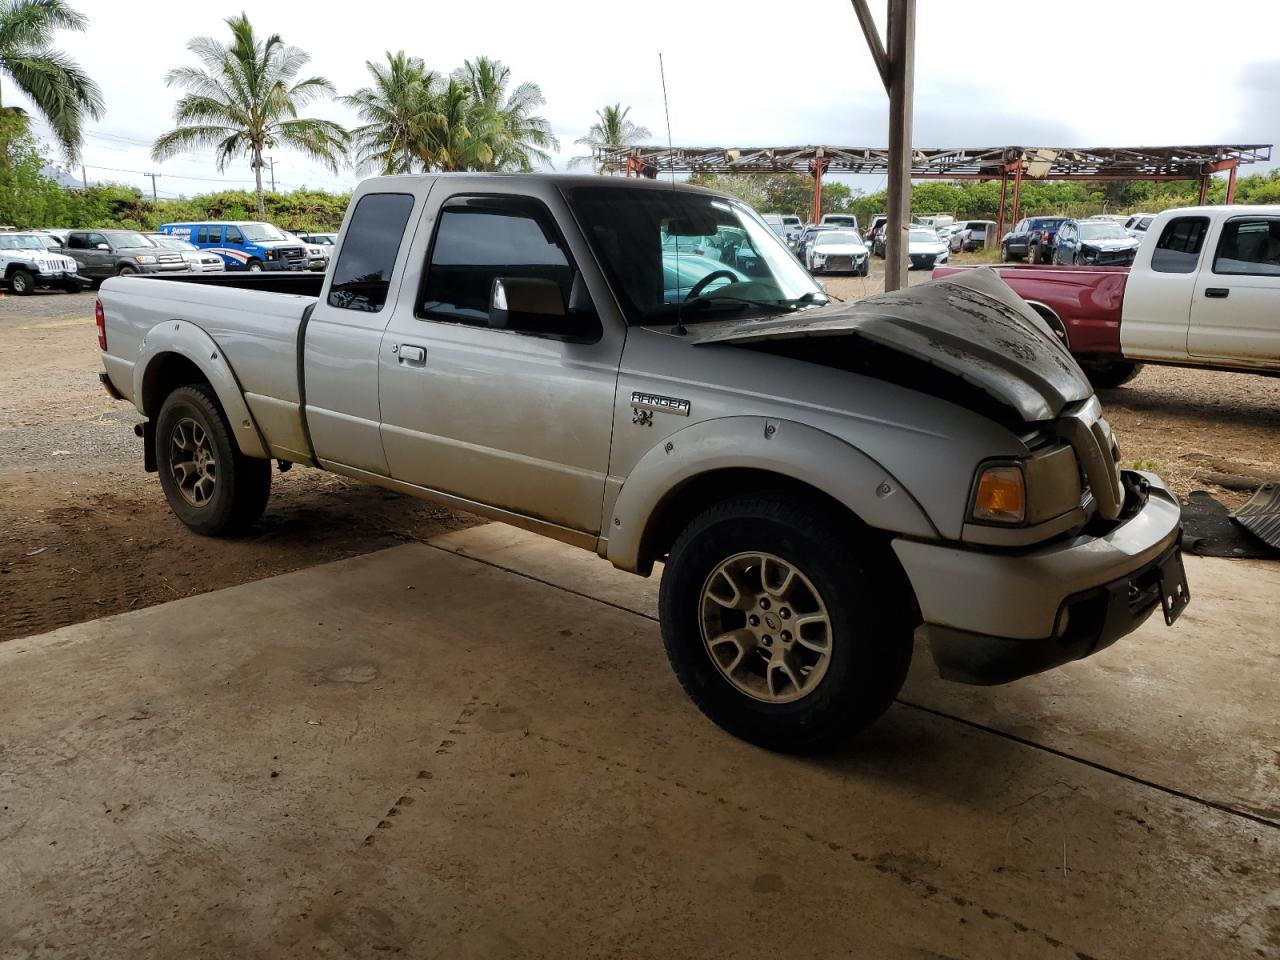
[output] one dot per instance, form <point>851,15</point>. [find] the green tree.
<point>513,135</point>
<point>245,101</point>
<point>611,131</point>
<point>61,92</point>
<point>398,111</point>
<point>27,197</point>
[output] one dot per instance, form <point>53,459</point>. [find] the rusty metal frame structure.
<point>1016,164</point>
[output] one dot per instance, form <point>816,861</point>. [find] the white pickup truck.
<point>646,371</point>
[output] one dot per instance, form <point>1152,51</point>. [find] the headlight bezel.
<point>144,258</point>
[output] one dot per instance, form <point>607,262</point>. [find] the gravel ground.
<point>84,532</point>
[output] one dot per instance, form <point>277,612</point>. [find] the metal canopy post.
<point>1231,185</point>
<point>1017,191</point>
<point>817,166</point>
<point>896,67</point>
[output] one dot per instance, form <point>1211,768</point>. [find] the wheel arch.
<point>718,459</point>
<point>1051,317</point>
<point>177,353</point>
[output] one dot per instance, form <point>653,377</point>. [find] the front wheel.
<point>126,271</point>
<point>255,266</point>
<point>211,486</point>
<point>22,283</point>
<point>782,624</point>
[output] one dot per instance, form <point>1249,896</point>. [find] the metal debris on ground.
<point>1261,515</point>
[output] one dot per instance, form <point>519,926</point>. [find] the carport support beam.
<point>1231,184</point>
<point>1017,191</point>
<point>901,55</point>
<point>1004,191</point>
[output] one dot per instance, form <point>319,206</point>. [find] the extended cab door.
<point>1158,294</point>
<point>344,333</point>
<point>83,248</point>
<point>1235,312</point>
<point>498,370</point>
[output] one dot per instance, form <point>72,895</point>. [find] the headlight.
<point>1001,495</point>
<point>144,258</point>
<point>271,254</point>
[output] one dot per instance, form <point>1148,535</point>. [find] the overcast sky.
<point>1116,73</point>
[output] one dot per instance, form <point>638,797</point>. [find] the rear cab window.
<point>1178,250</point>
<point>362,275</point>
<point>1249,246</point>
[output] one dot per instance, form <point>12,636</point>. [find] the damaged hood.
<point>970,325</point>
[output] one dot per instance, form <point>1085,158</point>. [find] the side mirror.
<point>514,301</point>
<point>102,246</point>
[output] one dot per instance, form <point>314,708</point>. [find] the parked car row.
<point>1065,240</point>
<point>75,259</point>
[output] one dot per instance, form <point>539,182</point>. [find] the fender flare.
<point>794,450</point>
<point>190,342</point>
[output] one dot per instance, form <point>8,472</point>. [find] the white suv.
<point>26,263</point>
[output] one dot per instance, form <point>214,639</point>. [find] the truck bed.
<point>252,320</point>
<point>1085,301</point>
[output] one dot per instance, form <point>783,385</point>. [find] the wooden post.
<point>1204,189</point>
<point>901,58</point>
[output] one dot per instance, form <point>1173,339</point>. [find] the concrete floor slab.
<point>470,762</point>
<point>1195,708</point>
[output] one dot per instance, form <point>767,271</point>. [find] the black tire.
<point>1111,374</point>
<point>22,283</point>
<point>254,266</point>
<point>1033,255</point>
<point>125,271</point>
<point>1004,253</point>
<point>241,485</point>
<point>870,617</point>
<point>865,269</point>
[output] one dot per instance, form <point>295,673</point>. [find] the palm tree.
<point>611,130</point>
<point>54,83</point>
<point>452,141</point>
<point>398,110</point>
<point>246,101</point>
<point>515,135</point>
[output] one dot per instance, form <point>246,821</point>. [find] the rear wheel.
<point>1110,374</point>
<point>211,486</point>
<point>782,624</point>
<point>22,283</point>
<point>1004,253</point>
<point>1033,254</point>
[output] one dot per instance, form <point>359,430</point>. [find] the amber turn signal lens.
<point>1002,496</point>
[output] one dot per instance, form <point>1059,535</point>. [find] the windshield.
<point>676,255</point>
<point>20,241</point>
<point>923,236</point>
<point>261,231</point>
<point>1102,230</point>
<point>835,237</point>
<point>127,238</point>
<point>171,243</point>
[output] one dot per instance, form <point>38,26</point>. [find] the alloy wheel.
<point>192,462</point>
<point>766,627</point>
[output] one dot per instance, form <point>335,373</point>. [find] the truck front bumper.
<point>991,617</point>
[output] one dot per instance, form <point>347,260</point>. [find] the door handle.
<point>1217,293</point>
<point>408,353</point>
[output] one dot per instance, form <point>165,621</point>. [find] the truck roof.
<point>565,180</point>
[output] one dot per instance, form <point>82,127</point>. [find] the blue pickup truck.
<point>243,244</point>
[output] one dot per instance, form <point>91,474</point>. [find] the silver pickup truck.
<point>646,371</point>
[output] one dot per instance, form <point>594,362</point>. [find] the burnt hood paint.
<point>970,325</point>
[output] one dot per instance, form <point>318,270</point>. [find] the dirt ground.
<point>85,533</point>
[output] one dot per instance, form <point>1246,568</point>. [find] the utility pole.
<point>272,161</point>
<point>84,175</point>
<point>897,71</point>
<point>154,195</point>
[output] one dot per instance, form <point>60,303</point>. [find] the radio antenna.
<point>666,109</point>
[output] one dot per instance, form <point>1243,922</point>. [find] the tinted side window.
<point>234,235</point>
<point>362,277</point>
<point>1179,248</point>
<point>203,235</point>
<point>479,239</point>
<point>1249,247</point>
<point>76,242</point>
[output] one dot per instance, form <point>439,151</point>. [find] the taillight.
<point>1045,238</point>
<point>100,319</point>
